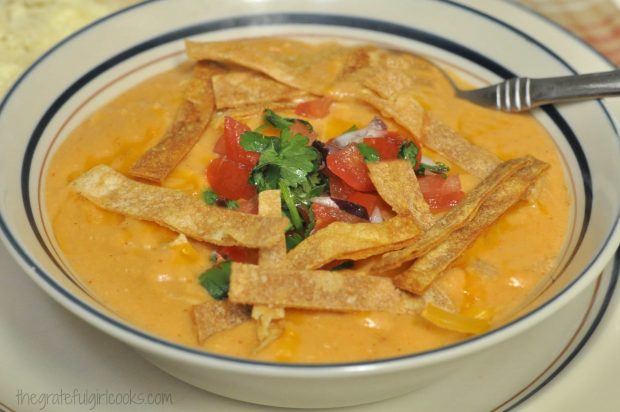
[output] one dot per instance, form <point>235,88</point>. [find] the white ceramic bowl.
<point>485,41</point>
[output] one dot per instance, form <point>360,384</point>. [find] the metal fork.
<point>522,93</point>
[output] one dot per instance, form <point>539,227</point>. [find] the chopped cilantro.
<point>290,164</point>
<point>254,141</point>
<point>292,240</point>
<point>265,178</point>
<point>370,153</point>
<point>311,222</point>
<point>438,168</point>
<point>409,151</point>
<point>282,122</point>
<point>210,197</point>
<point>289,158</point>
<point>347,264</point>
<point>289,201</point>
<point>315,185</point>
<point>216,280</point>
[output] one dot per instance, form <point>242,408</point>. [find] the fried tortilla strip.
<point>309,67</point>
<point>348,241</point>
<point>270,205</point>
<point>177,210</point>
<point>189,123</point>
<point>318,289</point>
<point>394,71</point>
<point>397,184</point>
<point>237,89</point>
<point>253,110</point>
<point>390,82</point>
<point>424,270</point>
<point>215,316</point>
<point>455,218</point>
<point>474,159</point>
<point>403,107</point>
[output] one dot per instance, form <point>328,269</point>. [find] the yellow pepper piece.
<point>478,313</point>
<point>454,321</point>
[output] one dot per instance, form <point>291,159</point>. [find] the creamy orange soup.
<point>131,266</point>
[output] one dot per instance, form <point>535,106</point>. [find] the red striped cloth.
<point>595,21</point>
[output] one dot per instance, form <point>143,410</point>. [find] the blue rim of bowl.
<point>282,18</point>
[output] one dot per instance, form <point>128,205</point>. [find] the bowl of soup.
<point>292,208</point>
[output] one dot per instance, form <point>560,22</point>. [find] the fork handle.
<point>568,88</point>
<point>520,94</point>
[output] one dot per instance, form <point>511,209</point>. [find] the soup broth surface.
<point>130,266</point>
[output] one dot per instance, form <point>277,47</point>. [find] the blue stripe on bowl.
<point>611,288</point>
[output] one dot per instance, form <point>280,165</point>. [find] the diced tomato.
<point>369,200</point>
<point>302,129</point>
<point>229,179</point>
<point>444,202</point>
<point>248,205</point>
<point>441,193</point>
<point>325,215</point>
<point>232,134</point>
<point>337,187</point>
<point>317,108</point>
<point>238,254</point>
<point>435,185</point>
<point>387,146</point>
<point>220,146</point>
<point>348,164</point>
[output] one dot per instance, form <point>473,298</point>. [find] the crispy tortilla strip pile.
<point>347,241</point>
<point>318,289</point>
<point>397,184</point>
<point>177,210</point>
<point>391,84</point>
<point>190,121</point>
<point>425,270</point>
<point>215,316</point>
<point>456,218</point>
<point>390,81</point>
<point>237,89</point>
<point>309,67</point>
